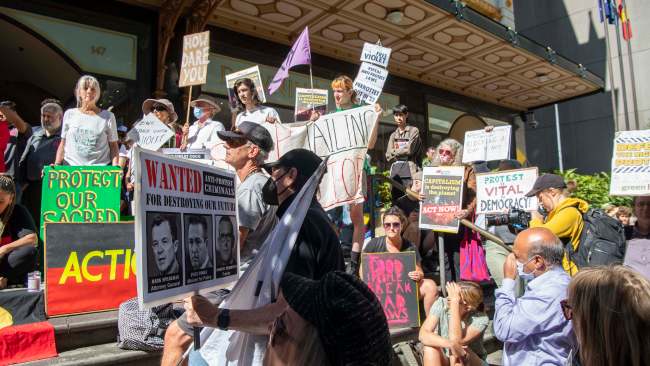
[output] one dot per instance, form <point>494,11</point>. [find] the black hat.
<point>252,132</point>
<point>546,181</point>
<point>349,318</point>
<point>305,162</point>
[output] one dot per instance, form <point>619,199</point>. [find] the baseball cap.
<point>252,132</point>
<point>305,162</point>
<point>546,181</point>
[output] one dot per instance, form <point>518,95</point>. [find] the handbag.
<point>472,258</point>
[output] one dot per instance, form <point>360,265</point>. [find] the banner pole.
<point>187,114</point>
<point>311,83</point>
<point>441,265</point>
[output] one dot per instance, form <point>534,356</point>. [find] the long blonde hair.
<point>7,186</point>
<point>611,316</point>
<point>84,81</point>
<point>472,295</point>
<point>455,146</point>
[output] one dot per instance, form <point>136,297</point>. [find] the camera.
<point>516,218</point>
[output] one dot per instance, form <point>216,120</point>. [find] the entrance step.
<point>100,355</point>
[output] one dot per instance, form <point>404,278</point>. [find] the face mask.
<point>523,275</point>
<point>270,191</point>
<point>198,112</point>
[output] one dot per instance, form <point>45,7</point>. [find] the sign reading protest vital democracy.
<point>443,194</point>
<point>81,194</point>
<point>631,164</point>
<point>194,64</point>
<point>90,270</point>
<point>501,191</point>
<point>150,132</point>
<point>387,276</point>
<point>186,228</point>
<point>486,146</point>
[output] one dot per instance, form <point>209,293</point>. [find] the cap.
<point>546,181</point>
<point>305,162</point>
<point>206,99</point>
<point>148,104</point>
<point>122,128</point>
<point>252,132</point>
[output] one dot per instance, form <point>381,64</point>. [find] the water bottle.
<point>33,281</point>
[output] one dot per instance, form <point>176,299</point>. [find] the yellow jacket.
<point>567,224</point>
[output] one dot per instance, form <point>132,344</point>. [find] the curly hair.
<point>455,146</point>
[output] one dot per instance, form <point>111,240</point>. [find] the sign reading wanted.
<point>443,195</point>
<point>186,228</point>
<point>194,65</point>
<point>150,132</point>
<point>486,146</point>
<point>631,164</point>
<point>370,82</point>
<point>501,191</point>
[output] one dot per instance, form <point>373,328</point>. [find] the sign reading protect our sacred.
<point>252,73</point>
<point>443,194</point>
<point>486,146</point>
<point>150,132</point>
<point>186,228</point>
<point>89,267</point>
<point>631,164</point>
<point>387,276</point>
<point>81,194</point>
<point>501,191</point>
<point>194,65</point>
<point>308,100</point>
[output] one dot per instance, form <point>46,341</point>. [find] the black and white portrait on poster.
<point>226,257</point>
<point>199,248</point>
<point>164,251</point>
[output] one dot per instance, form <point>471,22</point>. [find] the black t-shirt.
<point>15,148</point>
<point>317,250</point>
<point>378,245</point>
<point>20,224</point>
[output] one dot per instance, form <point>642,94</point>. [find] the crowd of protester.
<point>547,309</point>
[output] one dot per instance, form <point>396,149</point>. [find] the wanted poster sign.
<point>194,64</point>
<point>631,164</point>
<point>486,146</point>
<point>186,228</point>
<point>443,194</point>
<point>501,191</point>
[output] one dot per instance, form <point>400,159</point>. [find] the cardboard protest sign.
<point>150,132</point>
<point>186,228</point>
<point>90,270</point>
<point>198,155</point>
<point>486,146</point>
<point>194,64</point>
<point>81,194</point>
<point>370,82</point>
<point>308,100</point>
<point>375,54</point>
<point>498,192</point>
<point>252,73</point>
<point>443,195</point>
<point>387,276</point>
<point>631,164</point>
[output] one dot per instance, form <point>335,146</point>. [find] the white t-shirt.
<point>87,137</point>
<point>204,137</point>
<point>257,115</point>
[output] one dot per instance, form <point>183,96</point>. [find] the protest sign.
<point>631,164</point>
<point>150,132</point>
<point>199,155</point>
<point>81,194</point>
<point>370,82</point>
<point>486,146</point>
<point>375,54</point>
<point>387,276</point>
<point>308,100</point>
<point>443,194</point>
<point>498,192</point>
<point>90,270</point>
<point>185,228</point>
<point>252,73</point>
<point>194,64</point>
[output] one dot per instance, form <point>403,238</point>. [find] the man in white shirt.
<point>203,133</point>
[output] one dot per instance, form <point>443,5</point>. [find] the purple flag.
<point>299,54</point>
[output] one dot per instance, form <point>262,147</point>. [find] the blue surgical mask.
<point>523,275</point>
<point>198,112</point>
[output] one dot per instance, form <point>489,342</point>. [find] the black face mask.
<point>270,191</point>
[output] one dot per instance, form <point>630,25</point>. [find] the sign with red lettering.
<point>89,267</point>
<point>443,195</point>
<point>186,227</point>
<point>499,192</point>
<point>387,276</point>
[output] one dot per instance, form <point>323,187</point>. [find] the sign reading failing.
<point>194,65</point>
<point>443,194</point>
<point>501,191</point>
<point>186,228</point>
<point>631,164</point>
<point>387,276</point>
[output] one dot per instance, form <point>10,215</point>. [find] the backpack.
<point>602,241</point>
<point>143,329</point>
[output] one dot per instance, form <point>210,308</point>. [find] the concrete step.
<point>77,331</point>
<point>100,355</point>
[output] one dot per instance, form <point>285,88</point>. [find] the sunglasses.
<point>445,152</point>
<point>566,309</point>
<point>159,108</point>
<point>394,225</point>
<point>235,143</point>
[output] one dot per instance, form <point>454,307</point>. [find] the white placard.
<point>199,155</point>
<point>500,191</point>
<point>194,64</point>
<point>370,82</point>
<point>150,132</point>
<point>375,54</point>
<point>486,146</point>
<point>252,73</point>
<point>631,164</point>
